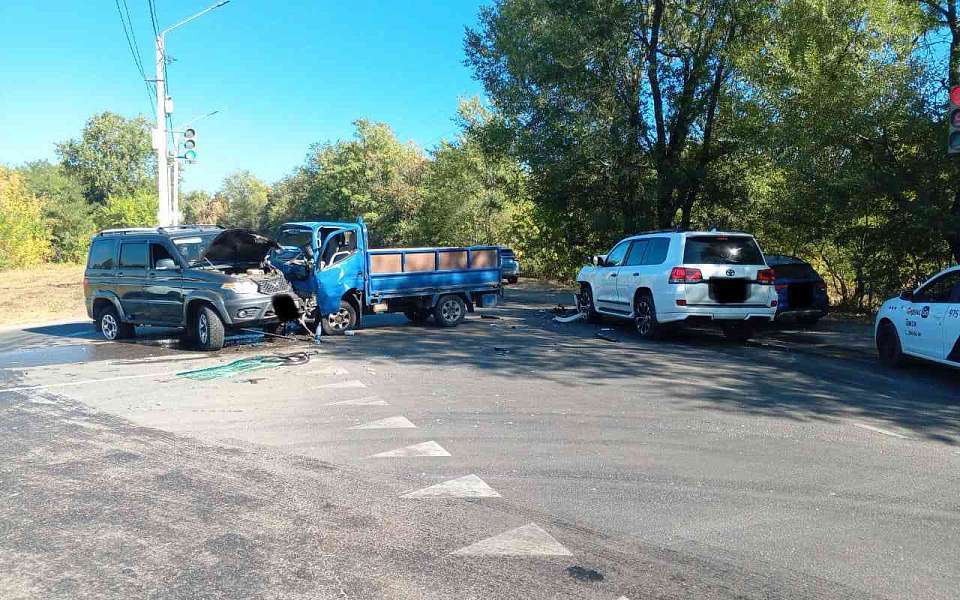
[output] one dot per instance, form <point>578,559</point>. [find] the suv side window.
<point>657,249</point>
<point>133,255</point>
<point>159,252</point>
<point>615,258</point>
<point>101,255</point>
<point>940,289</point>
<point>637,250</point>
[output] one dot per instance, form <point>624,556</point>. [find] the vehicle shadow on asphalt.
<point>701,370</point>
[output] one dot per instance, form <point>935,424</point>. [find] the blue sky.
<point>283,74</point>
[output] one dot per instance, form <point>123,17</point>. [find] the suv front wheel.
<point>110,325</point>
<point>206,329</point>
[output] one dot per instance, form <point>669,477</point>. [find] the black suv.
<point>201,277</point>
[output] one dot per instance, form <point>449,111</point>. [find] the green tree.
<point>23,234</point>
<point>68,215</point>
<point>245,197</point>
<point>112,157</point>
<point>132,210</point>
<point>202,208</point>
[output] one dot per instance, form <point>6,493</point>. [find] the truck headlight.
<point>241,287</point>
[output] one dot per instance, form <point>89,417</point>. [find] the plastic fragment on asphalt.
<point>569,318</point>
<point>245,365</point>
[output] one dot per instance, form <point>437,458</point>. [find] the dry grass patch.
<point>50,292</point>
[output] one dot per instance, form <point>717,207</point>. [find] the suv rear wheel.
<point>110,325</point>
<point>206,328</point>
<point>645,317</point>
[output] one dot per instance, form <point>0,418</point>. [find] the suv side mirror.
<point>597,260</point>
<point>165,264</point>
<point>907,295</point>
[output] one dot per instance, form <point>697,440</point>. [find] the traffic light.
<point>190,144</point>
<point>953,121</point>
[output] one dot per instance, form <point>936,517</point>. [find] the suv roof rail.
<point>128,231</point>
<point>200,226</point>
<point>674,230</point>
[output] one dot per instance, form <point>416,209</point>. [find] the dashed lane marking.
<point>430,448</point>
<point>398,422</point>
<point>369,401</point>
<point>341,385</point>
<point>528,540</point>
<point>878,430</point>
<point>469,486</point>
<point>86,382</point>
<point>329,371</point>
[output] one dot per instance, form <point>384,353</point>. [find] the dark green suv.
<point>203,278</point>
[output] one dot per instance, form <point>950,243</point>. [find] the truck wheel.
<point>341,321</point>
<point>110,325</point>
<point>888,346</point>
<point>450,310</point>
<point>645,318</point>
<point>738,332</point>
<point>585,303</point>
<point>512,280</point>
<point>207,328</point>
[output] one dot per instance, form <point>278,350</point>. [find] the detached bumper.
<point>250,310</point>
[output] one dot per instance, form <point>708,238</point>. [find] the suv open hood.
<point>237,246</point>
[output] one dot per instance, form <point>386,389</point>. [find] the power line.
<point>135,52</point>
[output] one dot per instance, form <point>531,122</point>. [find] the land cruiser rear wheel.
<point>645,317</point>
<point>206,329</point>
<point>110,325</point>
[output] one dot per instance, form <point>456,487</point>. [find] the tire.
<point>418,316</point>
<point>110,325</point>
<point>889,349</point>
<point>449,311</point>
<point>338,323</point>
<point>206,329</point>
<point>645,317</point>
<point>511,280</point>
<point>585,303</point>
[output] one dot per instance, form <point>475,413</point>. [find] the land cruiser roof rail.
<point>200,226</point>
<point>128,231</point>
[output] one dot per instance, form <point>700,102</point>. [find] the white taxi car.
<point>923,323</point>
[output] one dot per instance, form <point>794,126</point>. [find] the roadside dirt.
<point>49,292</point>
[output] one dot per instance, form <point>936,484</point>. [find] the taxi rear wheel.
<point>888,345</point>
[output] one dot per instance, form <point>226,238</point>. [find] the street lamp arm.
<point>190,18</point>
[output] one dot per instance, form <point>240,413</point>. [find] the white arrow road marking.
<point>369,401</point>
<point>388,423</point>
<point>341,385</point>
<point>470,486</point>
<point>528,540</point>
<point>430,448</point>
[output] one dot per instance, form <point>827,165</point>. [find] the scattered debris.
<point>501,349</point>
<point>581,574</point>
<point>245,365</point>
<point>560,310</point>
<point>486,316</point>
<point>569,318</point>
<point>607,334</point>
<point>350,332</point>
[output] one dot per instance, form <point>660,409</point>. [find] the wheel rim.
<point>451,311</point>
<point>644,320</point>
<point>203,329</point>
<point>109,326</point>
<point>586,303</point>
<point>339,320</point>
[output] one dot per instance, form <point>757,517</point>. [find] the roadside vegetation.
<point>817,125</point>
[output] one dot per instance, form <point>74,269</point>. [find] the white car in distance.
<point>667,278</point>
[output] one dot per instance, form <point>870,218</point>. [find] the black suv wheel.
<point>206,328</point>
<point>110,325</point>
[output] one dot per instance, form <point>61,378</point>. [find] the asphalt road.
<point>518,458</point>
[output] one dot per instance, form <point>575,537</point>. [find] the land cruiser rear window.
<point>101,255</point>
<point>721,250</point>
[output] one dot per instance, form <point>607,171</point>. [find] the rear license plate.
<point>728,291</point>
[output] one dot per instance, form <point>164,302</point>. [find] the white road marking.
<point>86,382</point>
<point>329,371</point>
<point>341,385</point>
<point>469,486</point>
<point>369,401</point>
<point>878,430</point>
<point>430,448</point>
<point>528,540</point>
<point>388,423</point>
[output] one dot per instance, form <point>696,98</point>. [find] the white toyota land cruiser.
<point>664,278</point>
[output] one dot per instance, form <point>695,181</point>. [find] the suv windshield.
<point>722,250</point>
<point>191,248</point>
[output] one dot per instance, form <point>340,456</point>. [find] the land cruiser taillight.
<point>685,275</point>
<point>765,276</point>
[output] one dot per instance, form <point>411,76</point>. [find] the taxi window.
<point>945,288</point>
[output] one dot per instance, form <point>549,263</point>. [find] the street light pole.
<point>166,202</point>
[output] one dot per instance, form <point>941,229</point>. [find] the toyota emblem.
<point>731,272</point>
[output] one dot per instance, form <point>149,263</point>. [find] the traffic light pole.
<point>160,141</point>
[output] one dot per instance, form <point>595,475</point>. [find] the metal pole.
<point>160,141</point>
<point>175,196</point>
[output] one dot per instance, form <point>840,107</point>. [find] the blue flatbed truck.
<point>339,279</point>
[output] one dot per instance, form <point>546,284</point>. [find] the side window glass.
<point>940,289</point>
<point>657,251</point>
<point>159,252</point>
<point>635,255</point>
<point>615,258</point>
<point>101,254</point>
<point>133,255</point>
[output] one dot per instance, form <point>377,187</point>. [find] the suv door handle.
<point>613,274</point>
<point>636,274</point>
